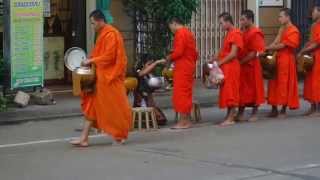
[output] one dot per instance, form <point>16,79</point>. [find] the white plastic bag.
<point>216,76</point>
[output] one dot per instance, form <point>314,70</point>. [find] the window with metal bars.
<point>152,37</point>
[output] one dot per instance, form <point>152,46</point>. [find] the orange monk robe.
<point>312,80</point>
<point>283,90</point>
<point>108,107</point>
<point>229,91</point>
<point>251,80</point>
<point>184,56</point>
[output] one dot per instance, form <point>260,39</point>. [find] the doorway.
<point>64,27</point>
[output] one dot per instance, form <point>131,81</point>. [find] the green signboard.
<point>26,43</point>
<point>104,6</point>
<point>1,13</point>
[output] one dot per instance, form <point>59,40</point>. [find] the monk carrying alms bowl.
<point>83,77</point>
<point>304,64</point>
<point>87,76</point>
<point>268,63</point>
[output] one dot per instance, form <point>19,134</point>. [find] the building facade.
<point>66,25</point>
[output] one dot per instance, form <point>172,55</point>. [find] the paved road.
<point>280,149</point>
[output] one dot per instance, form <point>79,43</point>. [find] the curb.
<point>39,118</point>
<point>68,115</point>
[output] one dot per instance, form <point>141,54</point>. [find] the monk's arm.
<point>109,50</point>
<point>276,47</point>
<point>309,48</point>
<point>252,55</point>
<point>233,54</point>
<point>256,47</point>
<point>178,48</point>
<point>278,37</point>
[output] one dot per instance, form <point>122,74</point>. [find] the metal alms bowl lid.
<point>307,57</point>
<point>84,71</point>
<point>73,58</point>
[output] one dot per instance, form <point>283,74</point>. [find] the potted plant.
<point>3,100</point>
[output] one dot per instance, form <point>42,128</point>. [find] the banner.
<point>26,43</point>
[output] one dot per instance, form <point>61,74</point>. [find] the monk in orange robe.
<point>228,61</point>
<point>251,80</point>
<point>108,107</point>
<point>184,56</point>
<point>312,80</point>
<point>283,90</point>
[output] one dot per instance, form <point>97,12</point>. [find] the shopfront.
<point>1,26</point>
<point>64,27</point>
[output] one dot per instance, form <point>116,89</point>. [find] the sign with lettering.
<point>271,3</point>
<point>26,43</point>
<point>1,12</point>
<point>46,8</point>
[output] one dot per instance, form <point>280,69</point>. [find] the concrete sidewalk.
<point>69,106</point>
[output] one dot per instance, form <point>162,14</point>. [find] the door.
<point>78,21</point>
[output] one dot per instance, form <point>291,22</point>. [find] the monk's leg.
<point>230,118</point>
<point>254,114</point>
<point>83,141</point>
<point>184,121</point>
<point>274,112</point>
<point>283,112</point>
<point>240,115</point>
<point>317,109</point>
<point>312,110</point>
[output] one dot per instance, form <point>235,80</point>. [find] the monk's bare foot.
<point>310,113</point>
<point>273,115</point>
<point>183,125</point>
<point>253,119</point>
<point>118,142</point>
<point>316,114</point>
<point>79,143</point>
<point>240,118</point>
<point>227,123</point>
<point>282,116</point>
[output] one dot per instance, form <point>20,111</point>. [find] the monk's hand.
<point>268,48</point>
<point>300,54</point>
<point>213,59</point>
<point>260,54</point>
<point>86,62</point>
<point>271,47</point>
<point>168,58</point>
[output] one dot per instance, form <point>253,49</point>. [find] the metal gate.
<point>302,16</point>
<point>205,26</point>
